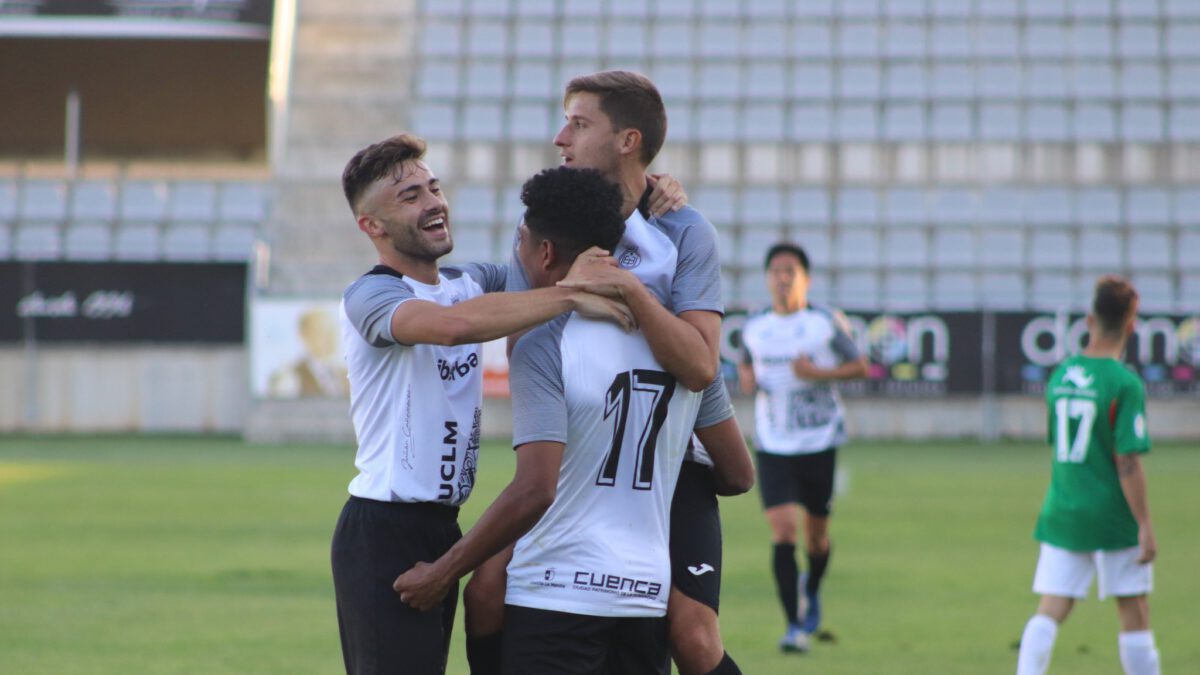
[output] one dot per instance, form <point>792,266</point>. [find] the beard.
<point>411,242</point>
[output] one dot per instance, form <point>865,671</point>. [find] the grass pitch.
<point>209,556</point>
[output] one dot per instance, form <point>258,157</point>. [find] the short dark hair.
<point>1114,299</point>
<point>376,161</point>
<point>574,208</point>
<point>788,248</point>
<point>631,101</point>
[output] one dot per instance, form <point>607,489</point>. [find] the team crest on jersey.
<point>1077,376</point>
<point>630,258</point>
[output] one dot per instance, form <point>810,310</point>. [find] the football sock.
<point>816,569</point>
<point>726,667</point>
<point>786,580</point>
<point>1037,644</point>
<point>483,654</point>
<point>1138,653</point>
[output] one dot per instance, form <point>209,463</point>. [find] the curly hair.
<point>376,161</point>
<point>574,208</point>
<point>1113,302</point>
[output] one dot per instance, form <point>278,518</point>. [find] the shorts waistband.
<point>442,512</point>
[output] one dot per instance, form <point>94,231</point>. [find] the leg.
<point>483,604</point>
<point>1139,655</point>
<point>1037,641</point>
<point>817,498</point>
<point>373,543</point>
<point>784,520</point>
<point>1060,578</point>
<point>696,558</point>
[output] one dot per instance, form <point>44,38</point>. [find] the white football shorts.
<point>1069,573</point>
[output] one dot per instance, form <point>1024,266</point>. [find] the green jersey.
<point>1097,410</point>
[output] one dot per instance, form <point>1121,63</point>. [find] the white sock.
<point>1037,644</point>
<point>1138,654</point>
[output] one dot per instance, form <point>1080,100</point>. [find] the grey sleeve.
<point>697,283</point>
<point>715,406</point>
<point>843,345</point>
<point>492,278</point>
<point>370,303</point>
<point>535,382</point>
<point>517,281</point>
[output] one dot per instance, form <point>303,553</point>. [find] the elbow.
<point>538,498</point>
<point>454,331</point>
<point>698,380</point>
<point>739,484</point>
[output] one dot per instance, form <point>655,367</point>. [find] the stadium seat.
<point>1095,123</point>
<point>753,244</point>
<point>1002,291</point>
<point>626,38</point>
<point>811,123</point>
<point>8,200</point>
<point>37,241</point>
<point>717,204</point>
<point>1149,250</point>
<point>763,122</point>
<point>952,81</point>
<point>482,122</point>
<point>474,205</point>
<point>765,39</point>
<point>1181,9</point>
<point>1000,9</point>
<point>1098,250</point>
<point>953,206</point>
<point>1002,249</point>
<point>533,79</point>
<point>857,123</point>
<point>1183,80</point>
<point>752,292</point>
<point>240,202</point>
<point>1098,207</point>
<point>1048,206</point>
<point>1003,81</point>
<point>473,244</point>
<point>905,248</point>
<point>905,81</point>
<point>143,201</point>
<point>88,241</point>
<point>717,122</point>
<point>907,9</point>
<point>1002,207</point>
<point>1091,80</point>
<point>812,82</point>
<point>1189,293</point>
<point>671,40</point>
<point>1000,122</point>
<point>6,240</point>
<point>187,242</point>
<point>857,9</point>
<point>816,243</point>
<point>1137,9</point>
<point>997,40</point>
<point>1183,40</point>
<point>1054,291</point>
<point>233,242</point>
<point>904,122</point>
<point>904,206</point>
<point>952,122</point>
<point>487,38</point>
<point>1051,250</point>
<point>1142,122</point>
<point>1156,292</point>
<point>720,38</point>
<point>1044,40</point>
<point>580,38</point>
<point>1187,207</point>
<point>486,80</point>
<point>137,241</point>
<point>905,291</point>
<point>530,122</point>
<point>856,248</point>
<point>809,206</point>
<point>43,200</point>
<point>857,290</point>
<point>579,8</point>
<point>811,40</point>
<point>766,80</point>
<point>857,206</point>
<point>435,121</point>
<point>761,207</point>
<point>951,40</point>
<point>1142,81</point>
<point>858,40</point>
<point>955,291</point>
<point>954,248</point>
<point>1138,40</point>
<point>439,79</point>
<point>1045,9</point>
<point>1091,40</point>
<point>1184,123</point>
<point>1047,122</point>
<point>766,9</point>
<point>192,201</point>
<point>1147,207</point>
<point>904,41</point>
<point>534,38</point>
<point>93,200</point>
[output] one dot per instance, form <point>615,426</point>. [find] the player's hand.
<point>666,194</point>
<point>595,306</point>
<point>1147,545</point>
<point>804,369</point>
<point>597,272</point>
<point>422,588</point>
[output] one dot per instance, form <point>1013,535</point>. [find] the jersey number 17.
<point>1070,447</point>
<point>660,387</point>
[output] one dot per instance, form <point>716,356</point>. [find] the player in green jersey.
<point>1096,516</point>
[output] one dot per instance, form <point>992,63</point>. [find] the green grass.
<point>207,556</point>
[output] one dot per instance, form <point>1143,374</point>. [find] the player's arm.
<point>512,514</point>
<point>847,370</point>
<point>1133,484</point>
<point>666,194</point>
<point>686,345</point>
<point>733,470</point>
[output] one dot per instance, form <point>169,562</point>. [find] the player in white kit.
<point>792,355</point>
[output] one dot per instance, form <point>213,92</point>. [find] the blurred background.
<point>174,241</point>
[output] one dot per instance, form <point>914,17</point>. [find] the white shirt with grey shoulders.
<point>416,408</point>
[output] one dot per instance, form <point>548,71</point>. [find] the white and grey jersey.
<point>794,416</point>
<point>715,407</point>
<point>416,408</point>
<point>601,548</point>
